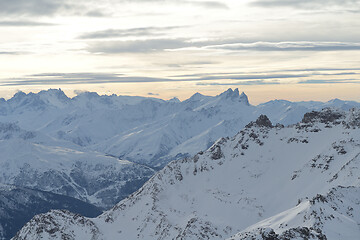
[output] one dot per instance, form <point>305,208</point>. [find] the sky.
<point>270,49</point>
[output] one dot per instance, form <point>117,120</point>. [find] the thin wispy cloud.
<point>289,46</point>
<point>30,7</point>
<point>306,4</point>
<point>241,83</point>
<point>301,73</point>
<point>208,4</point>
<point>12,53</point>
<point>130,32</point>
<point>24,24</point>
<point>201,80</point>
<point>136,46</point>
<point>328,81</point>
<point>77,78</point>
<point>200,3</point>
<point>86,8</point>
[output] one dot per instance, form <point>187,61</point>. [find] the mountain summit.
<point>234,95</point>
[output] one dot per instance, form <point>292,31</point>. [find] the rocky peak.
<point>327,115</point>
<point>261,121</point>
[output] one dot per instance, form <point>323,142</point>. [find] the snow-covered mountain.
<point>337,214</point>
<point>19,205</point>
<point>147,130</point>
<point>33,160</point>
<point>267,182</point>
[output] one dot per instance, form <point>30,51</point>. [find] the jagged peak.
<point>244,98</point>
<point>234,95</point>
<point>230,93</point>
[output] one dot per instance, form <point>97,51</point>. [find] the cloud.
<point>30,7</point>
<point>131,32</point>
<point>151,45</point>
<point>153,94</point>
<point>191,64</point>
<point>317,69</point>
<point>136,46</point>
<point>12,53</point>
<point>201,3</point>
<point>208,4</point>
<point>77,78</point>
<point>39,8</point>
<point>82,7</point>
<point>96,13</point>
<point>305,4</point>
<point>328,81</point>
<point>289,46</point>
<point>251,76</point>
<point>24,24</point>
<point>200,79</point>
<point>102,78</point>
<point>251,82</point>
<point>272,74</point>
<point>239,76</point>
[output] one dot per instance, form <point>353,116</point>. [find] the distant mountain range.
<point>148,131</point>
<point>100,149</point>
<point>267,182</point>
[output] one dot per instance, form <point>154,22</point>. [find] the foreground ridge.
<point>266,182</point>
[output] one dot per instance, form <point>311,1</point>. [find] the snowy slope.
<point>30,159</point>
<point>335,215</point>
<point>258,175</point>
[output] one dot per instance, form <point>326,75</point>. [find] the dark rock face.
<point>216,152</point>
<point>263,121</point>
<point>303,233</point>
<point>325,116</point>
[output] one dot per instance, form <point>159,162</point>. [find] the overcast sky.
<point>288,49</point>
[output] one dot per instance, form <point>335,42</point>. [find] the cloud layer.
<point>307,4</point>
<point>138,46</point>
<point>299,76</point>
